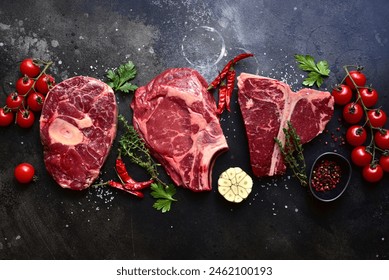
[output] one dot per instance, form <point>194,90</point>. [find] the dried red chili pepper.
<point>121,186</point>
<point>222,75</point>
<point>122,171</point>
<point>240,57</point>
<point>128,182</point>
<point>114,184</point>
<point>138,185</point>
<point>231,75</point>
<point>217,81</point>
<point>222,98</point>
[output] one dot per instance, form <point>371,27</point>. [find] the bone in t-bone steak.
<point>176,117</point>
<point>266,105</point>
<point>77,128</point>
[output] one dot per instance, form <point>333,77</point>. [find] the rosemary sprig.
<point>292,151</point>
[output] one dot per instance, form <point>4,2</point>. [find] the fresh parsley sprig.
<point>164,196</point>
<point>316,71</point>
<point>119,79</point>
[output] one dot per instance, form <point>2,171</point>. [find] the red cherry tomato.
<point>24,173</point>
<point>360,157</point>
<point>29,68</point>
<point>369,96</point>
<point>352,113</point>
<point>372,173</point>
<point>14,101</point>
<point>356,135</point>
<point>342,94</point>
<point>377,117</point>
<point>384,162</point>
<point>25,118</point>
<point>6,116</point>
<point>24,85</point>
<point>44,83</point>
<point>35,101</point>
<point>381,139</point>
<point>358,77</point>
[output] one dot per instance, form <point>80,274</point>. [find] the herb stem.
<point>292,151</point>
<point>135,148</point>
<point>372,146</point>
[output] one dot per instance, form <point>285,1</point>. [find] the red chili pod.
<point>120,186</point>
<point>222,75</point>
<point>222,99</point>
<point>138,185</point>
<point>122,171</point>
<point>231,75</point>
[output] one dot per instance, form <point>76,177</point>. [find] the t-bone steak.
<point>266,105</point>
<point>77,127</point>
<point>176,116</point>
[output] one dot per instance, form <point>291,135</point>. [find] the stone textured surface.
<point>280,220</point>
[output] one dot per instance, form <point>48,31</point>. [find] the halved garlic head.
<point>235,184</point>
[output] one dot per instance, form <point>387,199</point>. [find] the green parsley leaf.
<point>317,71</point>
<point>164,196</point>
<point>307,62</point>
<point>127,87</point>
<point>162,205</point>
<point>111,74</point>
<point>313,77</point>
<point>119,80</point>
<point>322,66</point>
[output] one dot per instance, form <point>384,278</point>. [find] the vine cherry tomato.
<point>377,118</point>
<point>358,77</point>
<point>35,101</point>
<point>352,113</point>
<point>381,139</point>
<point>44,83</point>
<point>25,118</point>
<point>14,101</point>
<point>356,135</point>
<point>372,173</point>
<point>342,94</point>
<point>24,173</point>
<point>24,85</point>
<point>384,162</point>
<point>360,157</point>
<point>6,116</point>
<point>369,96</point>
<point>29,68</point>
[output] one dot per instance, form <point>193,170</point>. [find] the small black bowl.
<point>333,194</point>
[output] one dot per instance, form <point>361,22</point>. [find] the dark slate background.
<point>280,220</point>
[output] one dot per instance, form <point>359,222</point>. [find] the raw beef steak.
<point>176,116</point>
<point>77,128</point>
<point>266,106</point>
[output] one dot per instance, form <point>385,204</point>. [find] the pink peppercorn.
<point>326,176</point>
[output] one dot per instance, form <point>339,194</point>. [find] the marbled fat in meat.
<point>266,105</point>
<point>77,127</point>
<point>176,116</point>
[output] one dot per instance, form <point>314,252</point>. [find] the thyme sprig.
<point>292,151</point>
<point>133,146</point>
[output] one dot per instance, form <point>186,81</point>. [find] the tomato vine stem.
<point>372,146</point>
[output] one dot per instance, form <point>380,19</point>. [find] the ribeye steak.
<point>175,115</point>
<point>77,127</point>
<point>266,105</point>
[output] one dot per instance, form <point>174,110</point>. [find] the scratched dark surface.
<point>279,220</point>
